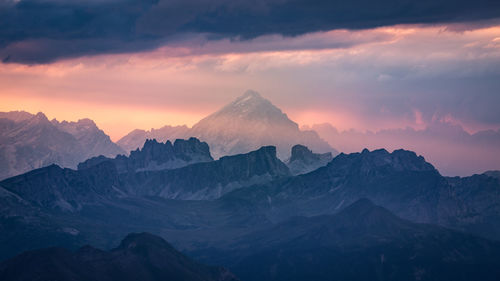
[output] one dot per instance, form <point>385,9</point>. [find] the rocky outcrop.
<point>210,180</point>
<point>155,155</point>
<point>93,140</point>
<point>64,189</point>
<point>136,138</point>
<point>400,181</point>
<point>303,160</point>
<point>246,124</point>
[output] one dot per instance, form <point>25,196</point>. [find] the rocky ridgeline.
<point>157,156</point>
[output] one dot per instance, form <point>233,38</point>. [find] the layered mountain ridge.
<point>361,242</point>
<point>136,138</point>
<point>155,155</point>
<point>303,160</point>
<point>246,124</point>
<point>140,256</point>
<point>210,209</point>
<point>211,180</point>
<point>30,141</point>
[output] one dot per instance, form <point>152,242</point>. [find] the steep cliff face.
<point>246,124</point>
<point>481,194</point>
<point>136,138</point>
<point>68,190</point>
<point>155,155</point>
<point>303,160</point>
<point>93,140</point>
<point>210,204</point>
<point>210,180</point>
<point>30,141</point>
<point>400,181</point>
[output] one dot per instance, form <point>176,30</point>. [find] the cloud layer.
<point>389,77</point>
<point>42,31</point>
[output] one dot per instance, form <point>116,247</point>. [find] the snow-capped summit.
<point>249,122</point>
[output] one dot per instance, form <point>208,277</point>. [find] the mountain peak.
<point>367,161</point>
<point>301,152</point>
<point>493,174</point>
<point>304,160</point>
<point>362,205</point>
<point>249,122</point>
<point>252,107</point>
<point>249,96</point>
<point>86,122</point>
<point>16,116</point>
<point>39,118</point>
<point>144,240</point>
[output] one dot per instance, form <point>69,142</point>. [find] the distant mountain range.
<point>30,141</point>
<point>210,180</point>
<point>448,146</point>
<point>245,124</point>
<point>136,138</point>
<point>234,196</point>
<point>287,211</point>
<point>140,256</point>
<point>155,155</point>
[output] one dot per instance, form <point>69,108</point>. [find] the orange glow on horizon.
<point>181,85</point>
<point>115,121</point>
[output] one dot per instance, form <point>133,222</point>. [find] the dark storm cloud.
<point>35,31</point>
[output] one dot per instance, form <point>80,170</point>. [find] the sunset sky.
<point>138,64</point>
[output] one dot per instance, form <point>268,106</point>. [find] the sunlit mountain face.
<point>249,140</point>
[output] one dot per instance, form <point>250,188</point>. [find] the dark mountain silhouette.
<point>453,150</point>
<point>210,180</point>
<point>65,189</point>
<point>400,181</point>
<point>481,193</point>
<point>157,156</point>
<point>100,179</point>
<point>140,256</point>
<point>136,138</point>
<point>246,124</point>
<point>234,196</point>
<point>495,174</point>
<point>303,160</point>
<point>362,242</point>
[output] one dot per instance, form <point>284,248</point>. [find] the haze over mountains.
<point>361,242</point>
<point>30,141</point>
<point>157,156</point>
<point>245,124</point>
<point>259,217</point>
<point>259,185</point>
<point>448,146</point>
<point>285,211</point>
